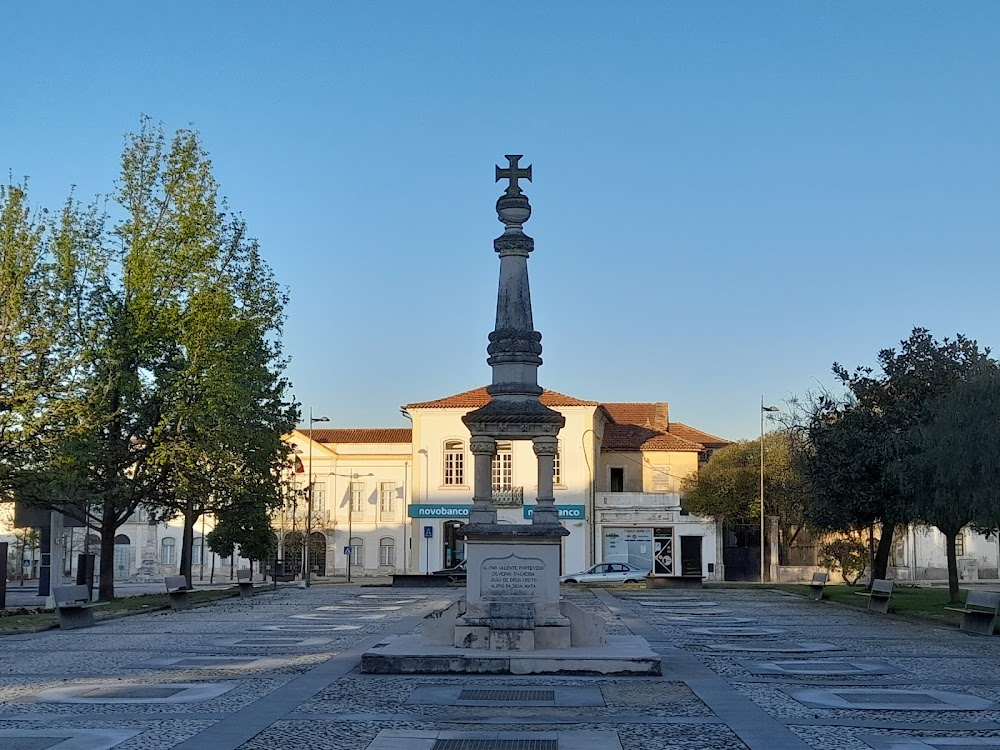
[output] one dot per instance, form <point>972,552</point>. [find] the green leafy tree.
<point>849,556</point>
<point>728,486</point>
<point>853,444</point>
<point>248,531</point>
<point>952,465</point>
<point>178,404</point>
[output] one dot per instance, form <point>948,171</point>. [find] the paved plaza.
<point>741,668</point>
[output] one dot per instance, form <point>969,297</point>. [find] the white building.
<point>397,498</point>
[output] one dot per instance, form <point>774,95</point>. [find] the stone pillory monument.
<point>511,619</point>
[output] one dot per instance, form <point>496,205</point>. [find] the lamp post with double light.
<point>309,499</point>
<point>763,409</point>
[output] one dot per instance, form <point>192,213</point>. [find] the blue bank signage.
<point>566,512</point>
<point>439,511</point>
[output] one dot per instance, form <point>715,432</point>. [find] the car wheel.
<point>570,580</point>
<point>631,580</point>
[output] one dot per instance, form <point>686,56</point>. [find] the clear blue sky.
<point>728,196</point>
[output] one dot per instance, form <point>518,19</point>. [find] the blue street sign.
<point>347,550</point>
<point>25,563</point>
<point>428,532</point>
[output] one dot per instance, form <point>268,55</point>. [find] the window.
<point>168,551</point>
<point>503,467</point>
<point>357,498</point>
<point>387,500</point>
<point>960,544</point>
<point>319,499</point>
<point>387,551</point>
<point>557,466</point>
<point>454,462</point>
<point>197,550</point>
<point>617,478</point>
<point>357,550</point>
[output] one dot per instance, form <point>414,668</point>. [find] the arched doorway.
<point>454,543</point>
<point>293,553</point>
<point>123,557</point>
<point>317,553</point>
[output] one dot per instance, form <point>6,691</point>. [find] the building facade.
<point>394,500</point>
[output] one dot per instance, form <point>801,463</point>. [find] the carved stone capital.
<point>483,444</point>
<point>545,446</point>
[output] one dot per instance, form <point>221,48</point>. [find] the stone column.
<point>545,511</point>
<point>483,450</point>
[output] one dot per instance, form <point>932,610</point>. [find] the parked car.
<point>608,573</point>
<point>454,573</point>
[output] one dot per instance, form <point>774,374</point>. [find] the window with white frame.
<point>319,499</point>
<point>557,465</point>
<point>960,544</point>
<point>357,498</point>
<point>197,550</point>
<point>387,551</point>
<point>168,551</point>
<point>503,467</point>
<point>387,500</point>
<point>357,550</point>
<point>454,463</point>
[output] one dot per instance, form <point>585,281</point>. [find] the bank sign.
<point>566,512</point>
<point>439,511</point>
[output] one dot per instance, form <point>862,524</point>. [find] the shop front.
<point>437,530</point>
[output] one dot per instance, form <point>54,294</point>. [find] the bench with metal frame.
<point>73,606</point>
<point>979,615</point>
<point>878,597</point>
<point>177,590</point>
<point>817,585</point>
<point>244,577</point>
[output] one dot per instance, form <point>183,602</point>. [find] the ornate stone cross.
<point>513,173</point>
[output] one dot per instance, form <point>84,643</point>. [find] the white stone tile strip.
<point>820,667</point>
<point>397,739</point>
<point>108,693</point>
<point>271,641</point>
<point>736,631</point>
<point>801,647</point>
<point>930,743</point>
<point>303,628</point>
<point>209,662</point>
<point>452,695</point>
<point>888,699</point>
<point>67,739</point>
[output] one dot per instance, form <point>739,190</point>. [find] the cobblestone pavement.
<point>741,668</point>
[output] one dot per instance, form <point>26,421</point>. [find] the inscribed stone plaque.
<point>511,578</point>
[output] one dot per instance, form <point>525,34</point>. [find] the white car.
<point>608,573</point>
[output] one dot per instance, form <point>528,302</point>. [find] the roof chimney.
<point>662,417</point>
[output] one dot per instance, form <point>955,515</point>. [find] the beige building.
<point>397,498</point>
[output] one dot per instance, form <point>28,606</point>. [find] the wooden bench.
<point>979,615</point>
<point>878,597</point>
<point>73,606</point>
<point>817,585</point>
<point>177,590</point>
<point>244,577</point>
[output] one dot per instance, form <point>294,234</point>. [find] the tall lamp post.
<point>309,499</point>
<point>350,518</point>
<point>762,410</point>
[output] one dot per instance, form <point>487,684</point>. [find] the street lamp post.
<point>762,410</point>
<point>350,517</point>
<point>309,499</point>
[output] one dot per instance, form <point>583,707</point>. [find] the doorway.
<point>691,555</point>
<point>454,543</point>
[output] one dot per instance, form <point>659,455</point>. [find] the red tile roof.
<point>631,437</point>
<point>362,435</point>
<point>640,413</point>
<point>479,397</point>
<point>695,435</point>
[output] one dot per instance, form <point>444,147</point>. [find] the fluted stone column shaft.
<point>545,510</point>
<point>483,451</point>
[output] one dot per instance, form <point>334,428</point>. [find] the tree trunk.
<point>881,562</point>
<point>106,589</point>
<point>187,543</point>
<point>949,543</point>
